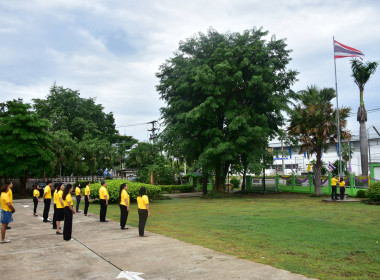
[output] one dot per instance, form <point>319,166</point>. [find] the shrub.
<point>174,188</point>
<point>374,192</point>
<point>235,182</point>
<point>361,194</point>
<point>113,187</point>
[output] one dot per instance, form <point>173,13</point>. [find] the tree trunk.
<point>23,181</point>
<point>362,118</point>
<point>204,182</point>
<point>218,176</point>
<point>317,169</point>
<point>244,179</point>
<point>195,179</point>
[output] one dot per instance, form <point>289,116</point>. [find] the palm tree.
<point>313,123</point>
<point>361,73</point>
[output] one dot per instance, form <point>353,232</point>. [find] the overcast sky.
<point>111,49</point>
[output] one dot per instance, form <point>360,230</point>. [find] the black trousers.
<point>78,202</point>
<point>334,194</point>
<point>46,208</point>
<point>86,204</point>
<point>55,217</point>
<point>103,210</point>
<point>123,215</point>
<point>143,216</point>
<point>35,201</point>
<point>341,192</point>
<point>68,225</point>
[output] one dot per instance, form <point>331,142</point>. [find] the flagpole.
<point>337,115</point>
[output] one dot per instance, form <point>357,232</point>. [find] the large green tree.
<point>225,94</point>
<point>313,123</point>
<point>361,73</point>
<point>25,142</point>
<point>66,110</point>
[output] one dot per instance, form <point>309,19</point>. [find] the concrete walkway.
<point>103,251</point>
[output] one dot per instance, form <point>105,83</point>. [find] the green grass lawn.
<point>289,231</point>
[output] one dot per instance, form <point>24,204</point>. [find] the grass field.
<point>289,231</point>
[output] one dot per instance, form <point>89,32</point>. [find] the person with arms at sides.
<point>68,212</point>
<point>143,210</point>
<point>55,200</point>
<point>103,197</point>
<point>78,195</point>
<point>334,185</point>
<point>36,195</point>
<point>7,210</point>
<point>10,195</point>
<point>60,215</point>
<point>342,188</point>
<point>47,201</point>
<point>124,205</point>
<point>86,198</point>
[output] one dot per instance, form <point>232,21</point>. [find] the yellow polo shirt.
<point>68,200</point>
<point>124,196</point>
<point>102,192</point>
<point>36,193</point>
<point>10,194</point>
<point>334,181</point>
<point>342,184</point>
<point>55,197</point>
<point>47,190</point>
<point>87,190</point>
<point>4,202</point>
<point>142,201</point>
<point>59,195</point>
<point>77,191</point>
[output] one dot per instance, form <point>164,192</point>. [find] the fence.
<point>303,184</point>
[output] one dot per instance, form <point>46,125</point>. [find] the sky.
<point>111,49</point>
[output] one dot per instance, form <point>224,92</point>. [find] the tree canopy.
<point>224,94</point>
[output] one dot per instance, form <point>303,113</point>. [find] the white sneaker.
<point>5,241</point>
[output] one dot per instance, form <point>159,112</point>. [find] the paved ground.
<point>103,251</point>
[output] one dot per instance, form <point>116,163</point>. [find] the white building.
<point>298,163</point>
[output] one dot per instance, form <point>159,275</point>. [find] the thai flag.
<point>341,51</point>
<point>331,166</point>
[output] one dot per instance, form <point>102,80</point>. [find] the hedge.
<point>374,192</point>
<point>174,188</point>
<point>113,187</point>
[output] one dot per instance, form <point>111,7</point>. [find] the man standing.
<point>103,196</point>
<point>47,201</point>
<point>334,184</point>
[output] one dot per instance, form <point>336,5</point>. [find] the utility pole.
<point>153,135</point>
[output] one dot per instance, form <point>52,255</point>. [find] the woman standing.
<point>86,198</point>
<point>68,212</point>
<point>55,200</point>
<point>7,210</point>
<point>124,205</point>
<point>59,211</point>
<point>143,210</point>
<point>36,195</point>
<point>342,188</point>
<point>78,195</point>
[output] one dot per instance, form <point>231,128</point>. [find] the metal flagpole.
<point>337,115</point>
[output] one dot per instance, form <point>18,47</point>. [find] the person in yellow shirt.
<point>55,197</point>
<point>143,210</point>
<point>7,210</point>
<point>86,198</point>
<point>68,212</point>
<point>10,195</point>
<point>47,201</point>
<point>36,195</point>
<point>124,205</point>
<point>334,185</point>
<point>78,195</point>
<point>342,188</point>
<point>59,216</point>
<point>103,197</point>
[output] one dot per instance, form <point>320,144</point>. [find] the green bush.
<point>374,192</point>
<point>235,182</point>
<point>113,187</point>
<point>361,194</point>
<point>174,188</point>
